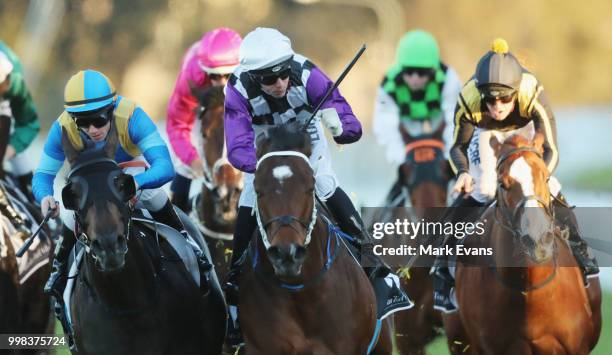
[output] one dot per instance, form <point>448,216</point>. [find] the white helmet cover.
<point>263,48</point>
<point>6,67</point>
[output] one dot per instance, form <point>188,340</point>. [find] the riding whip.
<point>338,81</point>
<point>26,245</point>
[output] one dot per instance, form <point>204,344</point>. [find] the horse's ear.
<point>406,137</point>
<point>112,141</point>
<point>70,151</point>
<point>495,144</point>
<point>262,142</point>
<point>126,186</point>
<point>538,141</point>
<point>74,194</point>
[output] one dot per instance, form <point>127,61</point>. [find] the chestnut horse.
<point>529,298</point>
<point>303,292</point>
<point>215,207</point>
<point>133,294</point>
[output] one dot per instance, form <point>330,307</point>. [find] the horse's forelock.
<point>287,137</point>
<point>210,97</point>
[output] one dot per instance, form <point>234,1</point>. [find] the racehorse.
<point>132,294</point>
<point>25,308</point>
<point>215,207</point>
<point>303,293</point>
<point>423,179</point>
<point>529,298</point>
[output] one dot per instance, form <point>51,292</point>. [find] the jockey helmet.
<point>88,90</point>
<point>218,51</point>
<point>498,72</point>
<point>6,67</point>
<point>266,51</point>
<point>418,49</point>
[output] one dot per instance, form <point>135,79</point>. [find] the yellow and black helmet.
<point>498,72</point>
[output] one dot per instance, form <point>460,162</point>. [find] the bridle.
<point>79,231</point>
<point>509,219</point>
<point>285,220</point>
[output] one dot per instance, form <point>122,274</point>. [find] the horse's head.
<point>523,194</point>
<point>425,172</point>
<point>98,191</point>
<point>223,180</point>
<point>285,208</point>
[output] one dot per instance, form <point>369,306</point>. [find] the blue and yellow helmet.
<point>88,90</point>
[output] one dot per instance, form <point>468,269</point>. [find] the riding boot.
<point>565,218</point>
<point>181,201</point>
<point>59,273</point>
<point>168,216</point>
<point>7,209</point>
<point>350,222</point>
<point>443,283</point>
<point>246,224</point>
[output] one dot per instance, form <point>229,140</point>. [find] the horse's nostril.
<point>96,246</point>
<point>275,253</point>
<point>121,242</point>
<point>300,252</point>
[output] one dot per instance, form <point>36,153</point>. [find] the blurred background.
<point>139,45</point>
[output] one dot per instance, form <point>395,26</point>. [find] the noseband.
<point>285,220</point>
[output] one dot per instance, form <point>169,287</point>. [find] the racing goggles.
<point>218,77</point>
<point>272,78</point>
<point>97,118</point>
<point>418,71</point>
<point>504,99</point>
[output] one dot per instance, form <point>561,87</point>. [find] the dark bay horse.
<point>132,294</point>
<point>24,308</point>
<point>303,292</point>
<point>215,207</point>
<point>530,297</point>
<point>423,179</point>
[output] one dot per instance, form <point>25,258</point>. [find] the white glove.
<point>49,203</point>
<point>330,119</point>
<point>5,108</point>
<point>464,183</point>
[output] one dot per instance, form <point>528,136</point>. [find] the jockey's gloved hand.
<point>464,183</point>
<point>330,119</point>
<point>49,203</point>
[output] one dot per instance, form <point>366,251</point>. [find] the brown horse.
<point>215,207</point>
<point>304,293</point>
<point>419,193</point>
<point>530,296</point>
<point>132,294</point>
<point>424,175</point>
<point>25,308</point>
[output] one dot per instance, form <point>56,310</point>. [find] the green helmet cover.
<point>418,49</point>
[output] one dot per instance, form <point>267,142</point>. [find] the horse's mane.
<point>209,98</point>
<point>289,136</point>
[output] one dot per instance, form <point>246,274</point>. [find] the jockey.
<point>501,99</point>
<point>417,95</point>
<point>17,114</point>
<point>273,85</point>
<point>209,62</point>
<point>91,104</point>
